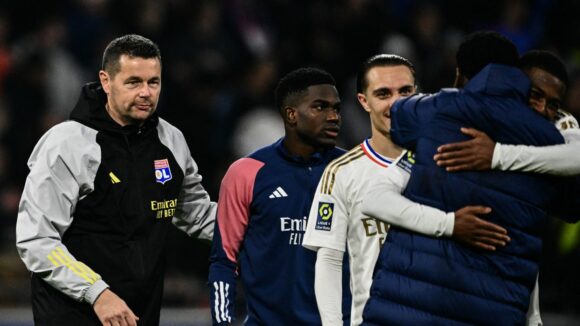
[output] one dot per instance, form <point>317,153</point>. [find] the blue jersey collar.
<point>315,158</point>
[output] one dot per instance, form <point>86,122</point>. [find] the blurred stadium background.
<point>221,62</point>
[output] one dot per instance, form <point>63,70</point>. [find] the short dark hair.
<point>132,45</point>
<point>298,81</point>
<point>482,48</point>
<point>380,60</point>
<point>547,61</point>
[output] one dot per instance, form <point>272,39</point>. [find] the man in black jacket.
<point>103,190</point>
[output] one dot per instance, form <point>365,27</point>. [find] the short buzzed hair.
<point>546,61</point>
<point>482,48</point>
<point>380,60</point>
<point>297,81</point>
<point>132,45</point>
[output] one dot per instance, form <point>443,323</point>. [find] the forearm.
<point>563,160</point>
<point>222,288</point>
<point>407,214</point>
<point>328,285</point>
<point>46,256</point>
<point>223,273</point>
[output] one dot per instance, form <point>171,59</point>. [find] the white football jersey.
<point>336,221</point>
<point>565,120</point>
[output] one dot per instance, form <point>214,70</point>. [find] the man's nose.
<point>145,91</point>
<point>391,101</point>
<point>333,114</point>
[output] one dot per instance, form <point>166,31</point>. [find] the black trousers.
<point>51,307</point>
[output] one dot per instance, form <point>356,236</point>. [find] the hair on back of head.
<point>132,45</point>
<point>380,60</point>
<point>298,81</point>
<point>482,48</point>
<point>546,61</point>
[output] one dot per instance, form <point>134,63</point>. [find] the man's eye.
<point>535,94</point>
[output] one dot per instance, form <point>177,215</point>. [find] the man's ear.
<point>290,115</point>
<point>362,99</point>
<point>105,81</point>
<point>460,79</point>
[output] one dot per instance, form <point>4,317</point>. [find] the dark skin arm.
<point>473,154</point>
<point>475,232</point>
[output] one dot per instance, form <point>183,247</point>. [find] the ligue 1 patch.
<point>162,171</point>
<point>407,161</point>
<point>324,216</point>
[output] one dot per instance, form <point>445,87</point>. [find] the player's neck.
<point>383,145</point>
<point>297,147</point>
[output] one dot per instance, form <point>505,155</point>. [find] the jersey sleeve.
<point>195,212</point>
<point>408,116</point>
<point>328,285</point>
<point>384,201</point>
<point>233,215</point>
<point>328,218</point>
<point>561,160</point>
<point>62,171</point>
<point>533,317</point>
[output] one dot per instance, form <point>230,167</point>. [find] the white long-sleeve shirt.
<point>563,159</point>
<point>336,223</point>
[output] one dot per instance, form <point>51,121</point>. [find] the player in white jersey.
<point>335,222</point>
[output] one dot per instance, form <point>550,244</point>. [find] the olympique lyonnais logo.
<point>162,171</point>
<point>324,216</point>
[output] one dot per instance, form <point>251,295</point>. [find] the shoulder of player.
<point>70,138</point>
<point>69,141</point>
<point>242,170</point>
<point>167,130</point>
<point>405,161</point>
<point>344,160</point>
<point>339,166</point>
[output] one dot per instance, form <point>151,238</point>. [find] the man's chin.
<point>141,115</point>
<point>327,142</point>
